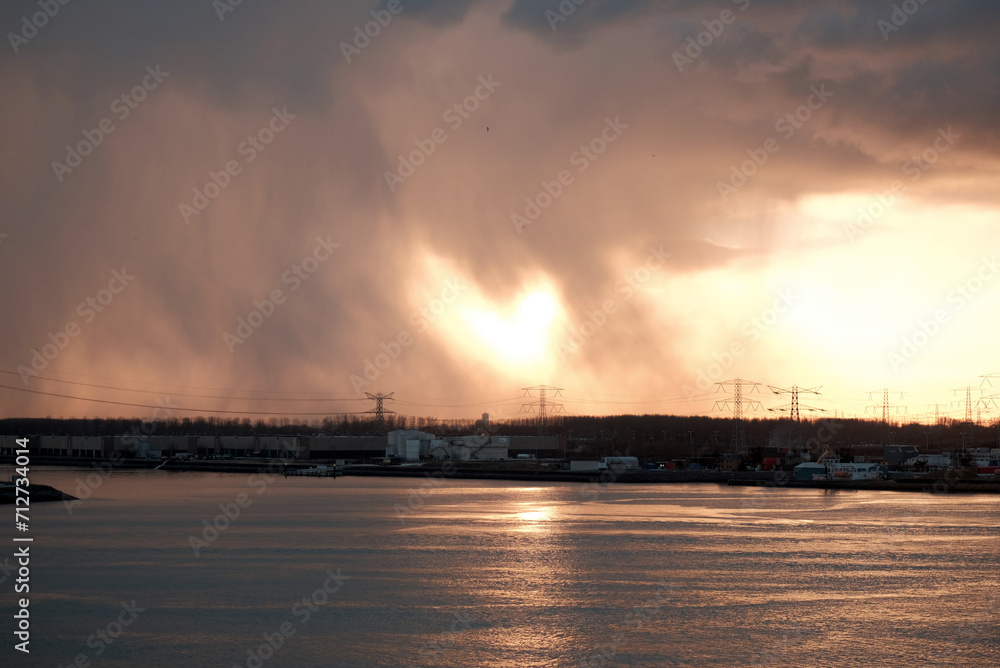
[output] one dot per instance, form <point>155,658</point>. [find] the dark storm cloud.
<point>438,12</point>
<point>289,49</point>
<point>324,174</point>
<point>938,65</point>
<point>548,17</point>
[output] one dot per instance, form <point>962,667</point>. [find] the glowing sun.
<point>523,336</point>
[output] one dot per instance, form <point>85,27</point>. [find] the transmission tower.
<point>379,410</point>
<point>544,406</point>
<point>795,439</point>
<point>793,408</point>
<point>988,380</point>
<point>968,401</point>
<point>738,441</point>
<point>887,410</point>
<point>938,418</point>
<point>987,402</point>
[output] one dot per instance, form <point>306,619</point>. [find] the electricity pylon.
<point>738,441</point>
<point>795,439</point>
<point>379,410</point>
<point>543,404</point>
<point>887,409</point>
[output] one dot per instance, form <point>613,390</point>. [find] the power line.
<point>189,387</point>
<point>658,400</point>
<point>183,394</point>
<point>511,400</point>
<point>170,408</point>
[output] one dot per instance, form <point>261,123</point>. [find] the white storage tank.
<point>412,450</point>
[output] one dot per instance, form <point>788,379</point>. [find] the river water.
<point>440,572</point>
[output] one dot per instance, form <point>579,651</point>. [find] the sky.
<point>272,209</point>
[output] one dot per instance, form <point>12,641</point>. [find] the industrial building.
<point>358,448</point>
<point>54,446</point>
<point>87,446</point>
<point>471,448</point>
<point>404,445</point>
<point>412,445</point>
<point>284,447</point>
<point>894,455</point>
<point>542,447</point>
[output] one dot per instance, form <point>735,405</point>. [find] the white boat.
<point>820,471</point>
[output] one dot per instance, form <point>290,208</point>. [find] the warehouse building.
<point>541,447</point>
<point>87,446</point>
<point>283,447</point>
<point>364,449</point>
<point>54,446</point>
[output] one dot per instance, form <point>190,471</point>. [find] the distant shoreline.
<point>525,472</point>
